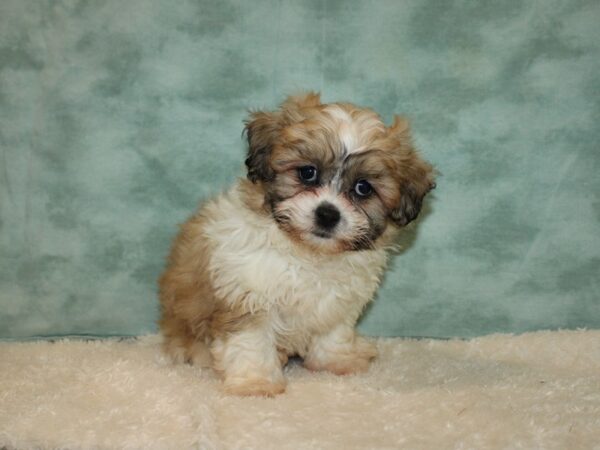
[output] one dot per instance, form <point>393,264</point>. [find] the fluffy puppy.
<point>284,262</point>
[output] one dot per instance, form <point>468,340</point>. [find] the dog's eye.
<point>308,174</point>
<point>363,188</point>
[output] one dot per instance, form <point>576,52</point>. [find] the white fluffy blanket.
<point>538,390</point>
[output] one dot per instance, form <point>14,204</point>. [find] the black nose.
<point>327,216</point>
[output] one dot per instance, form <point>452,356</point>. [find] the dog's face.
<point>334,176</point>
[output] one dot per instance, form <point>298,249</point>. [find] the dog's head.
<point>334,176</point>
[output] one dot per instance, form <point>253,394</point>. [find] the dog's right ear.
<point>415,176</point>
<point>262,128</point>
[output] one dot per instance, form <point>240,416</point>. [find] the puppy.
<point>284,262</point>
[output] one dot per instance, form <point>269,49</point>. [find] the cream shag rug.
<point>538,390</point>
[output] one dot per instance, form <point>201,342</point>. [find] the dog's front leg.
<point>249,361</point>
<point>340,351</point>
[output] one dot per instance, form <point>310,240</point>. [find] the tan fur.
<point>247,282</point>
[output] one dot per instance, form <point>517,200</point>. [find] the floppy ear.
<point>261,130</point>
<point>415,176</point>
<point>411,201</point>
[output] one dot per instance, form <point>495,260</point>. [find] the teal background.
<point>117,117</point>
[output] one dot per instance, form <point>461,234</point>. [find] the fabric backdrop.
<point>117,117</point>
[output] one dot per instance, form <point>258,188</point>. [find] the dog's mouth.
<point>322,234</point>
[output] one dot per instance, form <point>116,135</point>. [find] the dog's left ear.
<point>415,176</point>
<point>262,128</point>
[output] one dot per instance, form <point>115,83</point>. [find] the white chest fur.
<point>254,265</point>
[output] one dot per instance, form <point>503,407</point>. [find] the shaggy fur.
<point>284,262</point>
<point>535,391</point>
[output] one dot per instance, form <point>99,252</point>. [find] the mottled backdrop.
<point>116,117</point>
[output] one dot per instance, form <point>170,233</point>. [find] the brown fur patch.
<point>186,295</point>
<point>227,320</point>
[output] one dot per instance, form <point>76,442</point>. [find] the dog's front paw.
<point>344,360</point>
<point>246,387</point>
